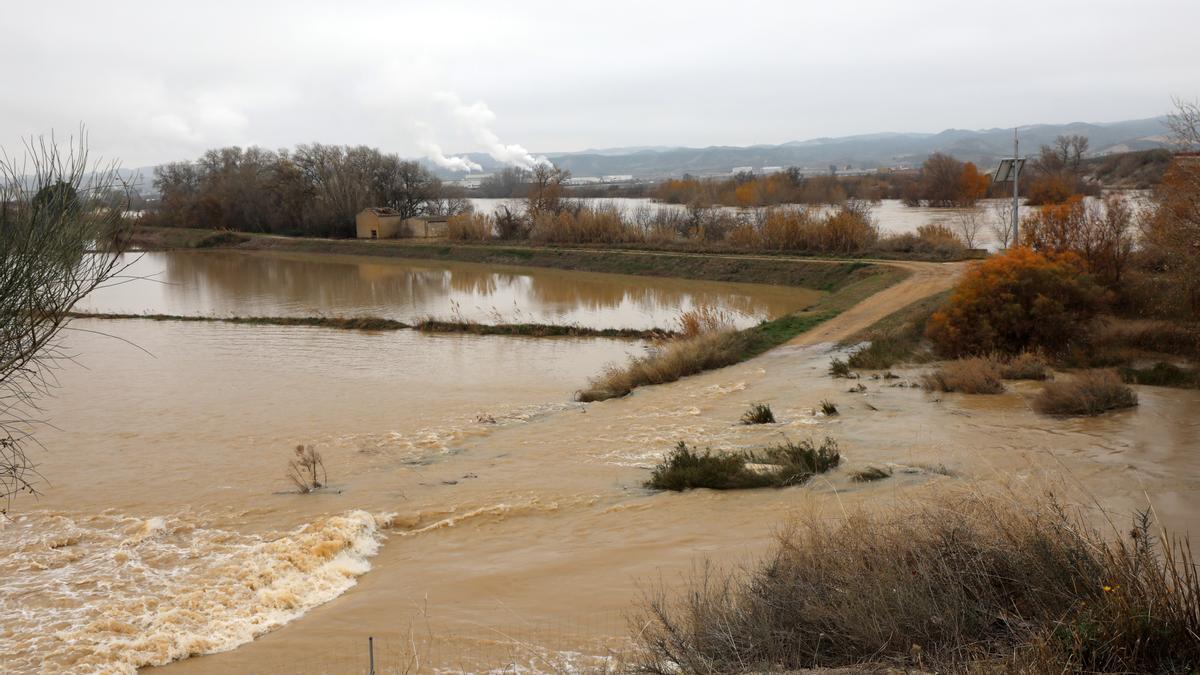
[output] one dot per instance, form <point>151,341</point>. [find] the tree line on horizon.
<point>312,190</point>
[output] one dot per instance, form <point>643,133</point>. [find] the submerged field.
<point>476,516</point>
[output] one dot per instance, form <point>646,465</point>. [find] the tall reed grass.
<point>966,583</point>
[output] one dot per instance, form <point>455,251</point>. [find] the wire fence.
<point>592,643</point>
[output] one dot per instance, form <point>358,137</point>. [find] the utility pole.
<point>1010,169</point>
<point>1016,199</point>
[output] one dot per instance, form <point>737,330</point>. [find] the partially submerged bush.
<point>828,408</point>
<point>1162,374</point>
<point>967,376</point>
<point>870,474</point>
<point>1025,366</point>
<point>777,466</point>
<point>759,413</point>
<point>307,469</point>
<point>1090,392</point>
<point>967,584</point>
<point>839,368</point>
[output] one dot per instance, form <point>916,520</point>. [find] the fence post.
<point>371,653</point>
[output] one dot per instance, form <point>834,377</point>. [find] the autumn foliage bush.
<point>1014,302</point>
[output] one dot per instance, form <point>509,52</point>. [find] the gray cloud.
<point>159,80</point>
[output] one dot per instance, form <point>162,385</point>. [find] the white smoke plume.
<point>477,119</point>
<point>434,152</point>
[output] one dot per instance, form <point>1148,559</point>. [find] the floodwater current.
<point>475,516</point>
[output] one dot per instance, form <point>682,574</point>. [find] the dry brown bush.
<point>469,227</point>
<point>967,376</point>
<point>1024,366</point>
<point>1090,392</point>
<point>968,583</point>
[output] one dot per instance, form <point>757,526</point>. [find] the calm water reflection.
<point>240,283</point>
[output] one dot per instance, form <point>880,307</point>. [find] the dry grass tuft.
<point>704,319</point>
<point>967,584</point>
<point>1090,392</point>
<point>829,408</point>
<point>668,363</point>
<point>967,376</point>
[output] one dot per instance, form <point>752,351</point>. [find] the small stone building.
<point>426,227</point>
<point>379,223</point>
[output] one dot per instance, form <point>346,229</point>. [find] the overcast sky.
<point>157,80</point>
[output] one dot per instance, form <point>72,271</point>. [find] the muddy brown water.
<point>477,516</point>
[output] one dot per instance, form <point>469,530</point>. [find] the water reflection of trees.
<point>229,282</point>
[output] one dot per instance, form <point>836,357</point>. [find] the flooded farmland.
<point>473,510</point>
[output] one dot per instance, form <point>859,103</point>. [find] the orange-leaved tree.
<point>1022,300</point>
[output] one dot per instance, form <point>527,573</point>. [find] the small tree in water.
<point>307,469</point>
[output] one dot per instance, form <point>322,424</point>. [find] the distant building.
<point>378,222</point>
<point>426,227</point>
<point>768,170</point>
<point>582,180</point>
<point>622,178</point>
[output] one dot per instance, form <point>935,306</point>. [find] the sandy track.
<point>925,279</point>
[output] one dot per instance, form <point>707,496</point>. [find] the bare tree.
<point>968,224</point>
<point>1184,124</point>
<point>1000,222</point>
<point>546,190</point>
<point>61,237</point>
<point>1070,150</point>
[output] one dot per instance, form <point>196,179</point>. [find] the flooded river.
<point>476,515</point>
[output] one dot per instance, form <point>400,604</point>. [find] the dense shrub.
<point>1091,392</point>
<point>1013,302</point>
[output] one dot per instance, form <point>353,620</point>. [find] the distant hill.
<point>863,152</point>
<point>867,151</point>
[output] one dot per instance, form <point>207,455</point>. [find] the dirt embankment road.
<point>925,279</point>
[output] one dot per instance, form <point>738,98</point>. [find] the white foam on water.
<point>109,594</point>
